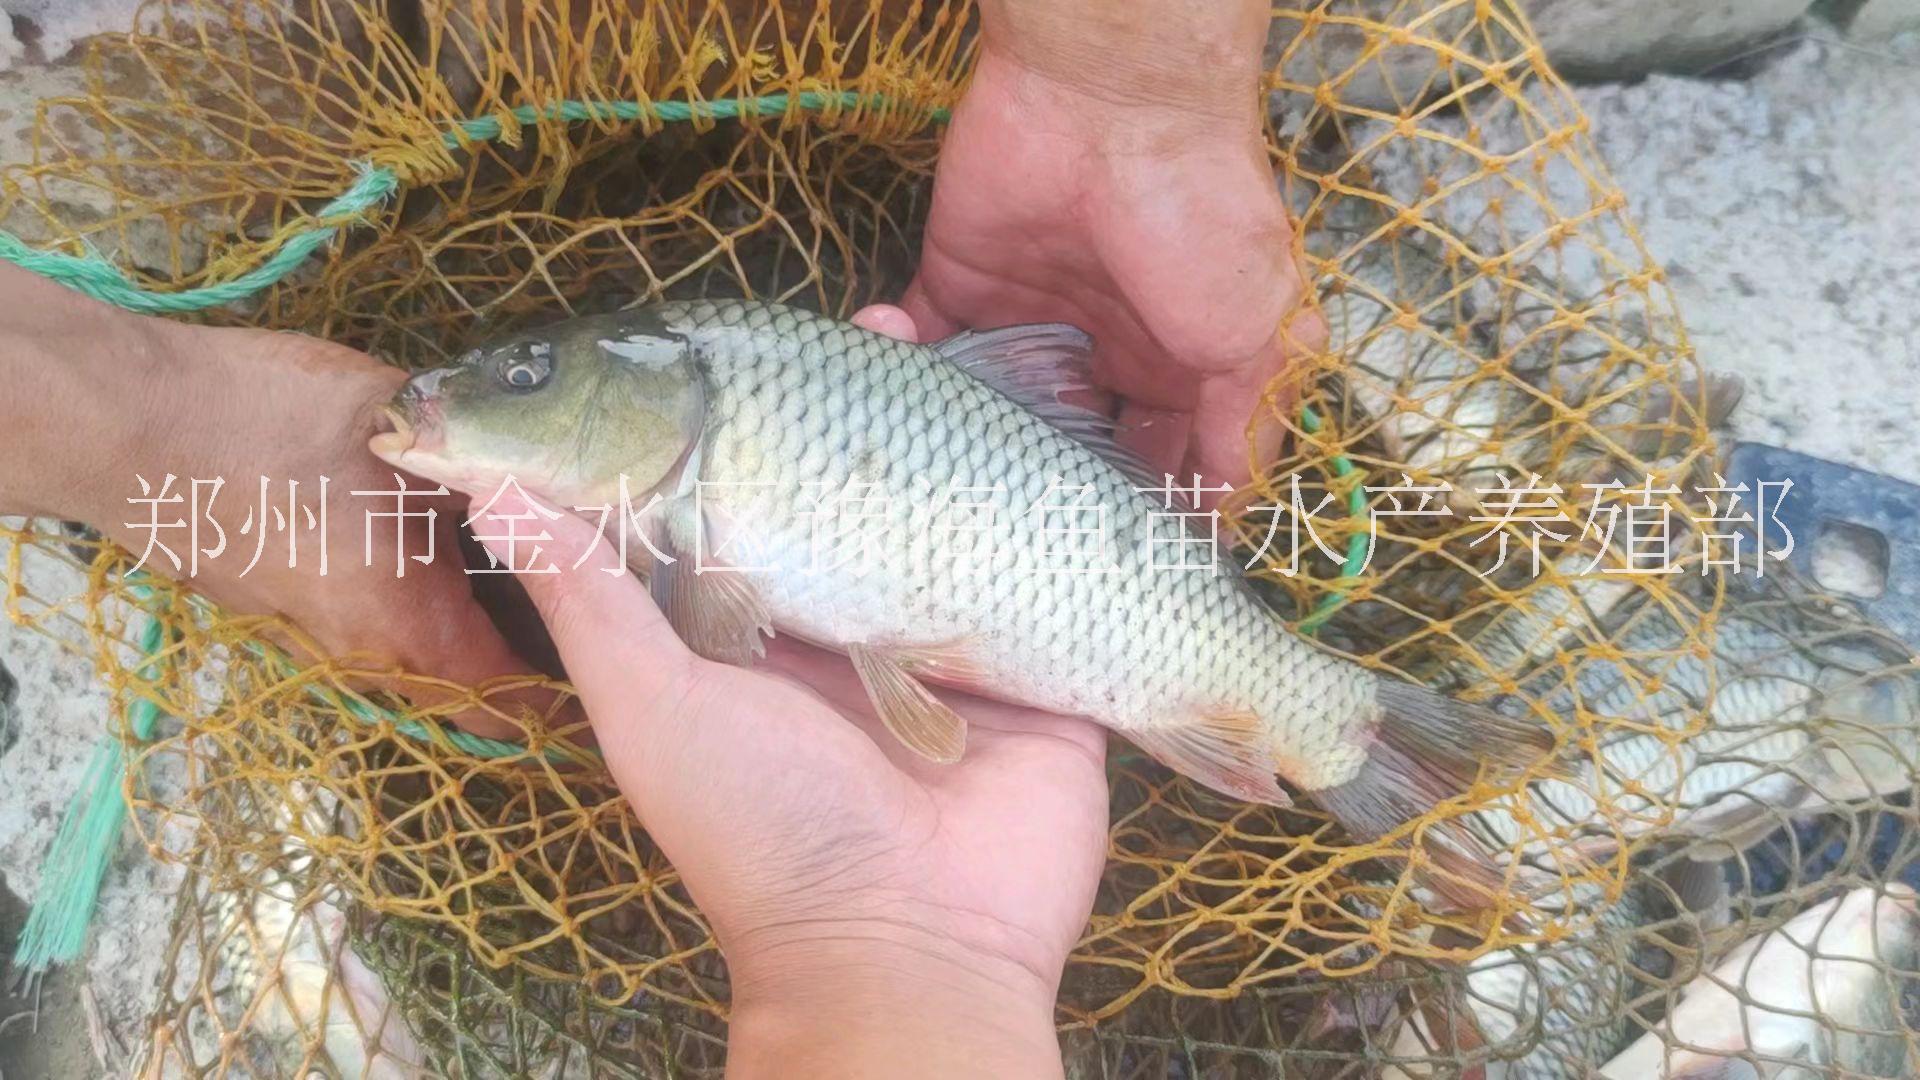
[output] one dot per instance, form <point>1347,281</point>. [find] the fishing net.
<point>1505,378</point>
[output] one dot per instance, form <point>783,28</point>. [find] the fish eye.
<point>528,373</point>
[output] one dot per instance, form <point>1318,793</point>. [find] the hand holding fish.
<point>880,915</point>
<point>1105,173</point>
<point>146,396</point>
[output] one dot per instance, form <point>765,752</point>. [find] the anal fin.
<point>922,722</point>
<point>948,663</point>
<point>1228,752</point>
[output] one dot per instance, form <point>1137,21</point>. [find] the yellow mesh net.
<point>366,894</point>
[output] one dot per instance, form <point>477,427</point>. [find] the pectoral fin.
<point>948,663</point>
<point>718,613</point>
<point>715,610</point>
<point>923,723</point>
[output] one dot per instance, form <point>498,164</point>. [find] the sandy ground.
<point>1786,213</point>
<point>1782,205</point>
<point>62,713</point>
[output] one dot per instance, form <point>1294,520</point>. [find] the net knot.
<point>416,165</point>
<point>511,130</point>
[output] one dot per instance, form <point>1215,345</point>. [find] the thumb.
<point>1239,416</point>
<point>619,650</point>
<point>930,323</point>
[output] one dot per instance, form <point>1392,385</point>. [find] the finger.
<point>1005,719</point>
<point>1276,399</point>
<point>886,319</point>
<point>832,678</point>
<point>618,648</point>
<point>1218,448</point>
<point>1237,419</point>
<point>927,317</point>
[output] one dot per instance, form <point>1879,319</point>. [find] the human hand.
<point>1106,173</point>
<point>134,396</point>
<point>880,915</point>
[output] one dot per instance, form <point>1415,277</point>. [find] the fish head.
<point>569,412</point>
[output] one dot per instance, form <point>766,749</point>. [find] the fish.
<point>315,995</point>
<point>1794,728</point>
<point>1571,1003</point>
<point>1819,996</point>
<point>730,421</point>
<point>281,966</point>
<point>1803,711</point>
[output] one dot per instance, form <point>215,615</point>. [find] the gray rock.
<point>12,49</point>
<point>61,204</point>
<point>71,712</point>
<point>1878,20</point>
<point>1443,46</point>
<point>1616,39</point>
<point>54,27</point>
<point>1782,211</point>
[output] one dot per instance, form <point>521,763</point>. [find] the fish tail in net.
<point>1428,749</point>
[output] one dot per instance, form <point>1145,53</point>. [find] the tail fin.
<point>1662,432</point>
<point>1427,749</point>
<point>1866,729</point>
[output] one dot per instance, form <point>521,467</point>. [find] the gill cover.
<point>566,411</point>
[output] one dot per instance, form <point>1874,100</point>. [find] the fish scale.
<point>1580,995</point>
<point>1039,630</point>
<point>1768,704</point>
<point>772,442</point>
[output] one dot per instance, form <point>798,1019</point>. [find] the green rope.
<point>102,280</point>
<point>76,863</point>
<point>1356,544</point>
<point>96,277</point>
<point>363,709</point>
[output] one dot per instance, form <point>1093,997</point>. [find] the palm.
<point>1000,852</point>
<point>1171,248</point>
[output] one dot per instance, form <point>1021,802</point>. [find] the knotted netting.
<point>371,894</point>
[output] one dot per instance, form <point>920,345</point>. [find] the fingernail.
<point>509,500</point>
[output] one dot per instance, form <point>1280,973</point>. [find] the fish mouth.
<point>405,428</point>
<point>393,435</point>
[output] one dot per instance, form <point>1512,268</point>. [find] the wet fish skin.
<point>317,986</point>
<point>285,961</point>
<point>1053,640</point>
<point>1580,992</point>
<point>1786,998</point>
<point>761,409</point>
<point>1792,728</point>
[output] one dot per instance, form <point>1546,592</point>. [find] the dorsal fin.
<point>1032,365</point>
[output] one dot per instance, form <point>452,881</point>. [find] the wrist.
<point>876,1000</point>
<point>77,373</point>
<point>1197,59</point>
